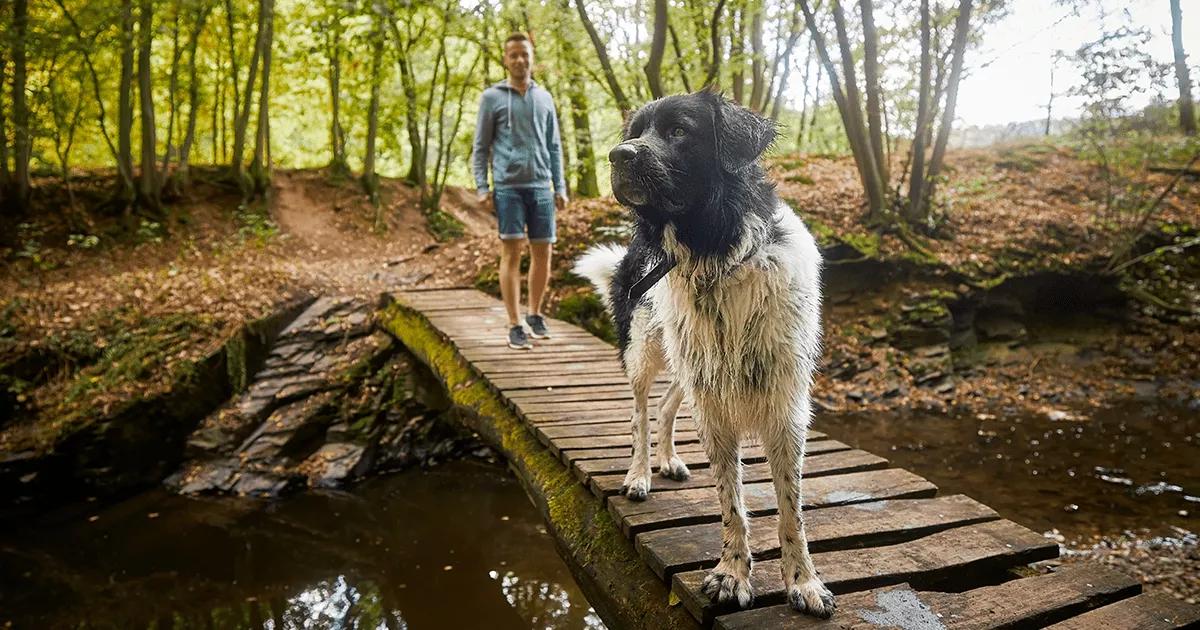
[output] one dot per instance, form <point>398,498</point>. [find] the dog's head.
<point>676,152</point>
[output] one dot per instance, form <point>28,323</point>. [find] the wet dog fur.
<point>737,318</point>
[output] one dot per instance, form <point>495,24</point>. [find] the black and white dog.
<point>731,284</point>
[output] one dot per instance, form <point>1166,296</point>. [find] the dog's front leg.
<point>730,580</point>
<point>785,451</point>
<point>637,480</point>
<point>669,464</point>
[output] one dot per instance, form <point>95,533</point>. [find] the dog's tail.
<point>598,264</point>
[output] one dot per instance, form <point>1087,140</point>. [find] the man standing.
<point>517,125</point>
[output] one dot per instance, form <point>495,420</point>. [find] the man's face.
<point>518,59</point>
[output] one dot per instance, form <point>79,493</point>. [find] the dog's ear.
<point>741,135</point>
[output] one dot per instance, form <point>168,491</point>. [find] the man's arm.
<point>484,132</point>
<point>554,147</point>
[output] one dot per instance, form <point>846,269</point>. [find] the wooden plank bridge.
<point>897,553</point>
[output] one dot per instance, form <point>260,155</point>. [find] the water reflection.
<point>1132,467</point>
<point>456,547</point>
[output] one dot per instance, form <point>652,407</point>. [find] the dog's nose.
<point>622,154</point>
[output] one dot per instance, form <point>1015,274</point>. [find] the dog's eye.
<point>678,132</point>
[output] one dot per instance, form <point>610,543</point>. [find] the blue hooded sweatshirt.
<point>521,133</point>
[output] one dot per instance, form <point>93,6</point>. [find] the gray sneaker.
<point>517,339</point>
<point>537,326</point>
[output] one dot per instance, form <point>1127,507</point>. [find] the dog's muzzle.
<point>625,189</point>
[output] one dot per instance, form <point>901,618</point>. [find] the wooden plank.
<point>669,551</point>
<point>561,445</point>
<point>691,447</point>
<point>829,480</point>
<point>598,366</point>
<point>555,431</point>
<point>1148,611</point>
<point>505,383</point>
<point>546,359</point>
<point>693,456</point>
<point>695,460</point>
<point>556,407</point>
<point>604,485</point>
<point>580,394</point>
<point>1031,602</point>
<point>966,554</point>
<point>501,352</point>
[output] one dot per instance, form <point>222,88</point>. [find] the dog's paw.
<point>811,598</point>
<point>724,587</point>
<point>674,468</point>
<point>636,487</point>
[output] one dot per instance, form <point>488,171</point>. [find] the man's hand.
<point>484,199</point>
<point>560,200</point>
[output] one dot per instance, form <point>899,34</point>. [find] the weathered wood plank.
<point>604,485</point>
<point>555,431</point>
<point>695,460</point>
<point>576,394</point>
<point>558,446</point>
<point>505,383</point>
<point>669,551</point>
<point>1031,602</point>
<point>598,366</point>
<point>692,454</point>
<point>833,479</point>
<point>966,554</point>
<point>1148,611</point>
<point>566,407</point>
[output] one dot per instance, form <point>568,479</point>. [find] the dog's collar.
<point>651,278</point>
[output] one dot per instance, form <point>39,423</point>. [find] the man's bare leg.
<point>510,277</point>
<point>539,274</point>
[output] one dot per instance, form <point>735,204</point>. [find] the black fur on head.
<point>692,161</point>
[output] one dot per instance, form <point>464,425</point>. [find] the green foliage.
<point>255,224</point>
<point>150,231</point>
<point>443,226</point>
<point>586,309</point>
<point>488,279</point>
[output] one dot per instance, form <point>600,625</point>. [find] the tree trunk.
<point>758,66</point>
<point>148,182</point>
<point>337,136</point>
<point>193,99</point>
<point>658,44</point>
<point>915,212</point>
<point>804,98</point>
<point>1050,101</point>
<point>683,67</point>
<point>961,29</point>
<point>1187,111</point>
<point>5,175</point>
<point>260,168</point>
<point>714,65</point>
<point>872,178</point>
<point>21,139</point>
<point>737,46</point>
<point>871,76</point>
<point>125,102</point>
<point>370,181</point>
<point>173,87</point>
<point>416,169</point>
<point>242,110</point>
<point>610,77</point>
<point>235,75</point>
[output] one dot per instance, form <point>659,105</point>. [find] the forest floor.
<point>86,323</point>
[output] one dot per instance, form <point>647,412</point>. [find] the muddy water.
<point>459,546</point>
<point>1135,467</point>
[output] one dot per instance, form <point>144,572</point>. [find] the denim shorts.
<point>518,208</point>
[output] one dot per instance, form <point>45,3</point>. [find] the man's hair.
<point>519,37</point>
